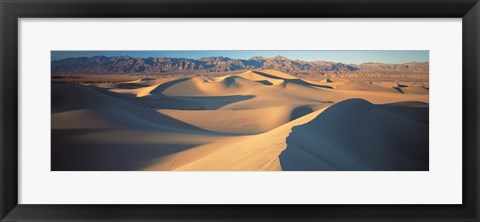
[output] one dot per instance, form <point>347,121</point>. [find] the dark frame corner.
<point>11,10</point>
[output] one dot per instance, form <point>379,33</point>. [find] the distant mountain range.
<point>129,65</point>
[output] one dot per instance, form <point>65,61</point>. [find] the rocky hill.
<point>129,65</point>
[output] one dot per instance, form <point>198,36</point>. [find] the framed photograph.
<point>228,110</point>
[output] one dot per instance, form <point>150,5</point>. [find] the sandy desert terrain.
<point>246,121</point>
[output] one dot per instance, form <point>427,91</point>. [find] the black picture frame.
<point>11,11</point>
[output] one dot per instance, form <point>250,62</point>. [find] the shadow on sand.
<point>355,135</point>
<point>68,155</point>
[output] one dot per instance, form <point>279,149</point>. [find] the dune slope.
<point>95,131</point>
<point>241,153</point>
<point>357,135</point>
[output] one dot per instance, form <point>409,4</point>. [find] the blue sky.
<point>344,56</point>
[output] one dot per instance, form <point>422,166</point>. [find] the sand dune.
<point>95,131</point>
<point>242,122</point>
<point>254,120</point>
<point>200,86</point>
<point>138,92</point>
<point>256,152</point>
<point>277,74</point>
<point>73,98</point>
<point>364,136</point>
<point>261,77</point>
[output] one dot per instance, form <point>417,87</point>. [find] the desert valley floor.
<point>252,120</point>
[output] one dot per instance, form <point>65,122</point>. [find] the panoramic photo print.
<point>240,110</point>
